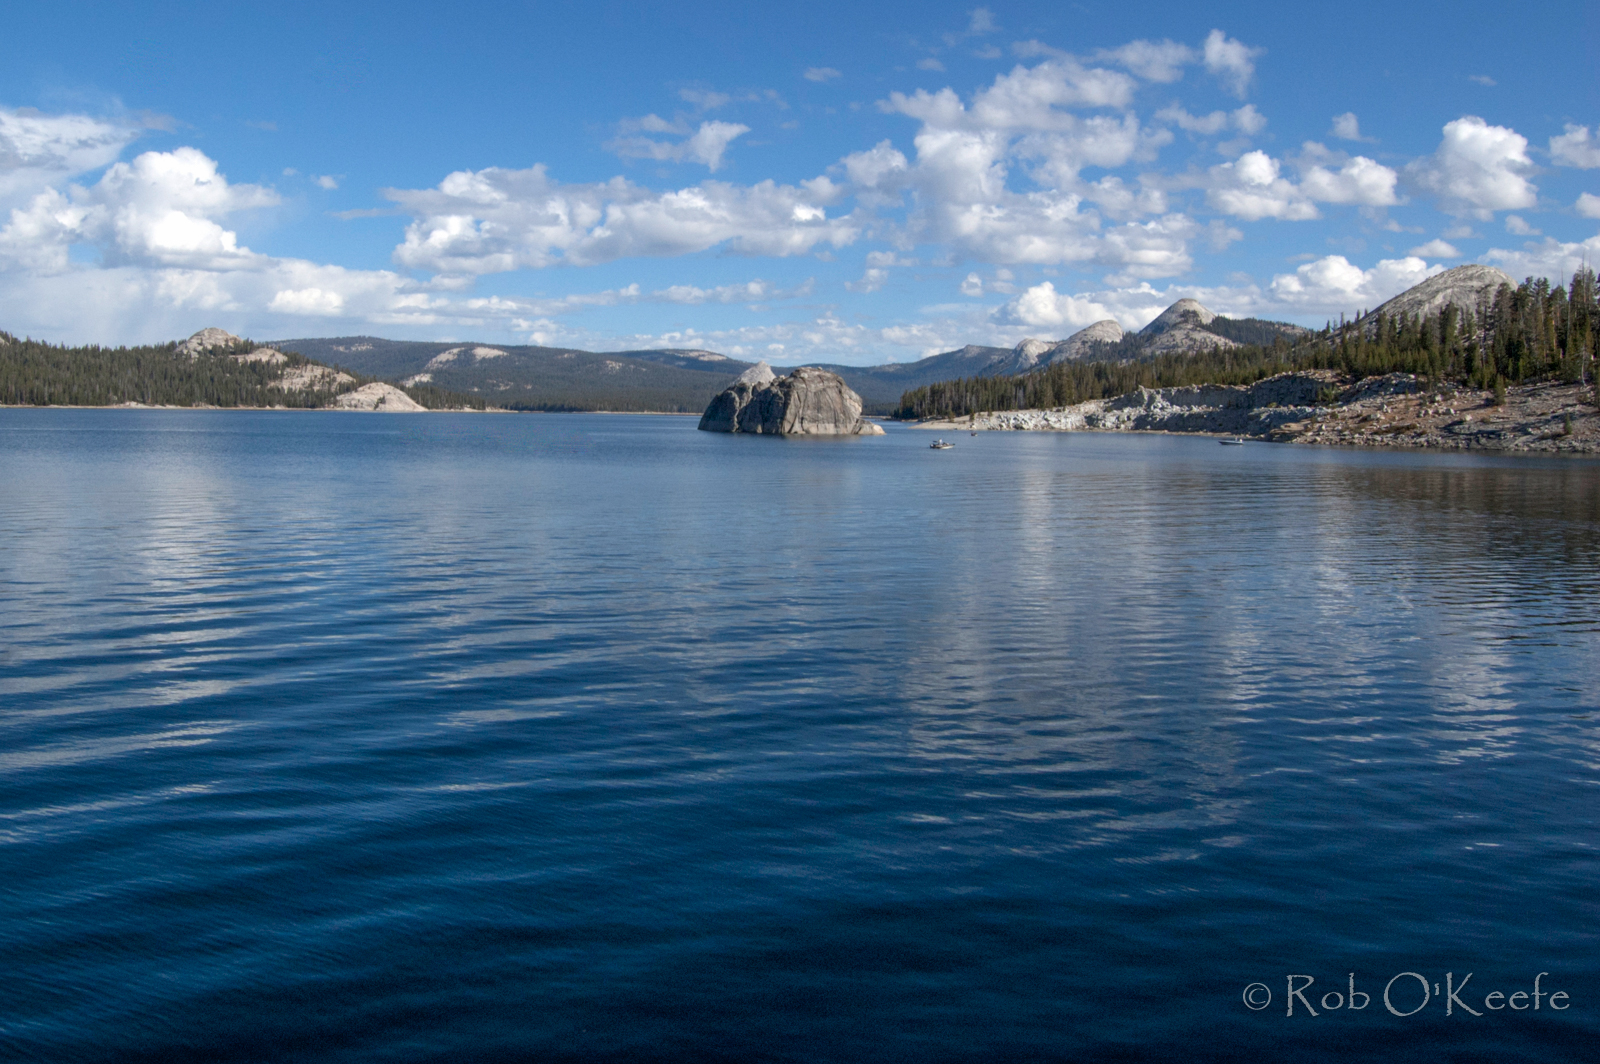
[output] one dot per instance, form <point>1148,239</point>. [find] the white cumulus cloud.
<point>1360,181</point>
<point>1334,284</point>
<point>1477,169</point>
<point>161,209</point>
<point>494,220</point>
<point>1252,188</point>
<point>1042,306</point>
<point>1435,249</point>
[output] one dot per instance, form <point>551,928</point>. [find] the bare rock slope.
<point>1178,328</point>
<point>205,340</point>
<point>385,398</point>
<point>1081,344</point>
<point>1470,288</point>
<point>808,402</point>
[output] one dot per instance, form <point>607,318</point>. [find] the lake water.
<point>466,737</point>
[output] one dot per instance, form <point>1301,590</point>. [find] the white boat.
<point>941,445</point>
<point>1232,443</point>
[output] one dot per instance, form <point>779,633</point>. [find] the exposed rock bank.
<point>1397,409</point>
<point>385,398</point>
<point>808,402</point>
<point>1470,288</point>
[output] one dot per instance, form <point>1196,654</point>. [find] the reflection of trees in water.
<point>1521,518</point>
<point>1119,649</point>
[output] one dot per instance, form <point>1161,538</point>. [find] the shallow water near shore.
<point>374,737</point>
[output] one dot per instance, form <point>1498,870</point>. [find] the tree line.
<point>1533,331</point>
<point>33,373</point>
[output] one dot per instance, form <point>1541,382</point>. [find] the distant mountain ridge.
<point>686,379</point>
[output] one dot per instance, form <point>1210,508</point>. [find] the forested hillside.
<point>1534,331</point>
<point>527,377</point>
<point>33,373</point>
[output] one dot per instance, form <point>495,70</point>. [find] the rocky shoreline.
<point>1322,407</point>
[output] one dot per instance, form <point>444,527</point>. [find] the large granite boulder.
<point>808,402</point>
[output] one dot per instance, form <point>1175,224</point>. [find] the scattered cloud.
<point>871,280</point>
<point>1575,148</point>
<point>1435,249</point>
<point>1477,169</point>
<point>1483,79</point>
<point>1004,176</point>
<point>1347,127</point>
<point>1329,285</point>
<point>982,22</point>
<point>1333,284</point>
<point>1246,120</point>
<point>1547,258</point>
<point>1231,61</point>
<point>706,145</point>
<point>929,63</point>
<point>38,150</point>
<point>704,99</point>
<point>494,220</point>
<point>1160,61</point>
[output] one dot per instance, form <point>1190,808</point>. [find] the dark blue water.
<point>362,737</point>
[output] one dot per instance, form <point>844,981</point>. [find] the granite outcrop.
<point>1321,406</point>
<point>377,396</point>
<point>1180,328</point>
<point>205,340</point>
<point>807,402</point>
<point>1471,289</point>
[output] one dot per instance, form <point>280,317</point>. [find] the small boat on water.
<point>1232,443</point>
<point>941,445</point>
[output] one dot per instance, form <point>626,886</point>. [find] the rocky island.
<point>807,402</point>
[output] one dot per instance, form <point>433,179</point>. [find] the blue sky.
<point>853,183</point>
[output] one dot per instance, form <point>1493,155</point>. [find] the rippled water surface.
<point>365,737</point>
